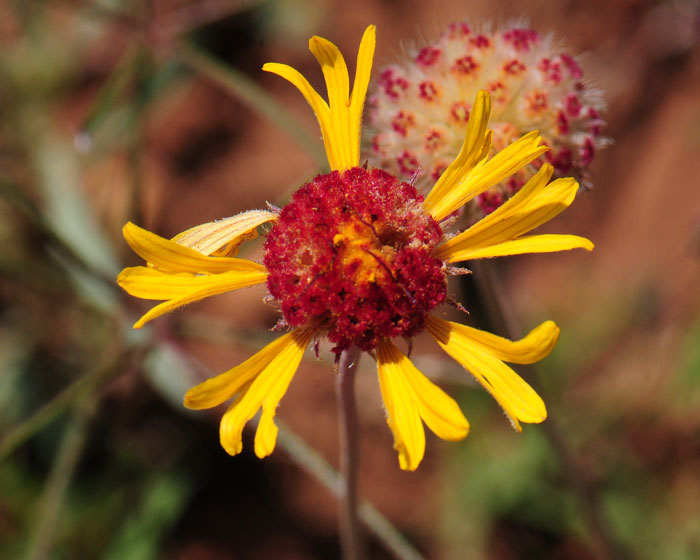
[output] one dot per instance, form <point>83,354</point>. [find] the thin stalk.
<point>312,462</point>
<point>491,292</point>
<point>76,391</point>
<point>13,194</point>
<point>251,93</point>
<point>350,536</point>
<point>42,541</point>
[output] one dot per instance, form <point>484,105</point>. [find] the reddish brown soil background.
<point>626,308</point>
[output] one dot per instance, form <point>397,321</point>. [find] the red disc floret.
<point>351,254</point>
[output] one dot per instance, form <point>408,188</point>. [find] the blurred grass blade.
<point>54,494</point>
<point>90,289</point>
<point>250,92</point>
<point>169,372</point>
<point>66,207</point>
<point>139,538</point>
<point>60,403</point>
<point>113,88</point>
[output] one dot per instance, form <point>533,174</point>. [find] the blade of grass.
<point>51,502</point>
<point>114,87</point>
<point>62,402</point>
<point>250,92</point>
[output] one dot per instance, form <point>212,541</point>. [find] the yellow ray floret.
<point>476,146</point>
<point>167,254</point>
<point>499,233</point>
<point>411,399</point>
<point>181,288</point>
<point>482,354</point>
<point>182,275</point>
<point>260,382</point>
<point>472,173</point>
<point>223,237</point>
<point>341,118</point>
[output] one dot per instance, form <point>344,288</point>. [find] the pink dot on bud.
<point>433,140</point>
<point>428,56</point>
<point>428,90</point>
<point>456,30</point>
<point>522,39</point>
<point>481,42</point>
<point>587,151</point>
<point>562,123</point>
<point>402,121</point>
<point>514,67</point>
<point>408,162</point>
<point>459,112</point>
<point>465,66</point>
<point>573,105</point>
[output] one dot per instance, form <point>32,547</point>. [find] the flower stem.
<point>54,494</point>
<point>491,291</point>
<point>350,537</point>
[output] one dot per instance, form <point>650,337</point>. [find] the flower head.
<point>420,108</point>
<point>359,257</point>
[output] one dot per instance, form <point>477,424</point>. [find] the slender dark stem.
<point>491,292</point>
<point>378,525</point>
<point>350,537</point>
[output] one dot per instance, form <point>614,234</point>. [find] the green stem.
<point>14,196</point>
<point>491,291</point>
<point>247,90</point>
<point>59,404</point>
<point>51,502</point>
<point>350,536</point>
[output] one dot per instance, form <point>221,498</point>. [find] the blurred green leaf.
<point>110,92</point>
<point>66,207</point>
<point>139,537</point>
<point>170,373</point>
<point>690,356</point>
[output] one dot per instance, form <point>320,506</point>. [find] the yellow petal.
<point>181,289</point>
<point>537,345</point>
<point>265,391</point>
<point>170,255</point>
<point>530,244</point>
<point>410,397</point>
<point>488,173</point>
<point>216,390</point>
<point>335,72</point>
<point>438,410</point>
<point>402,413</point>
<point>495,234</point>
<point>471,153</point>
<point>340,119</point>
<point>518,400</point>
<point>363,71</point>
<point>504,164</point>
<point>229,232</point>
<point>318,105</point>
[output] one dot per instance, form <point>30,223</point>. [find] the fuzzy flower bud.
<point>419,109</point>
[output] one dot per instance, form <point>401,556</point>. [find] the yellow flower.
<point>359,257</point>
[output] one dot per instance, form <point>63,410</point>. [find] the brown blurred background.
<point>148,111</point>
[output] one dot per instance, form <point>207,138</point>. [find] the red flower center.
<point>352,255</point>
